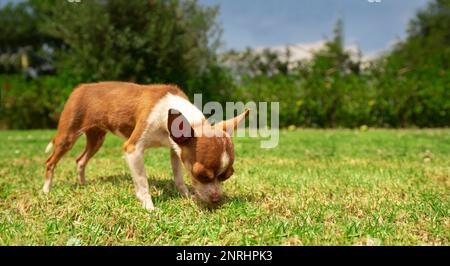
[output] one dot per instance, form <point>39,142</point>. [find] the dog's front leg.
<point>135,161</point>
<point>177,169</point>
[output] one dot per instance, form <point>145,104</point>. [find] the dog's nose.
<point>214,197</point>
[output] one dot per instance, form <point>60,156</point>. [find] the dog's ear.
<point>179,127</point>
<point>231,124</point>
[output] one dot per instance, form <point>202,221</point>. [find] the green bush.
<point>33,103</point>
<point>176,41</point>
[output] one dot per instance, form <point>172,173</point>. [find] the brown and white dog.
<point>147,116</point>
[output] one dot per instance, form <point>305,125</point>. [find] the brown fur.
<point>96,108</point>
<point>204,153</point>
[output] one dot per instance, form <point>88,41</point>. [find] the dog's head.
<point>206,151</point>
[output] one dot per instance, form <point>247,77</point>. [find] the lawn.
<point>318,187</point>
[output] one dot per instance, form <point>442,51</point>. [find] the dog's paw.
<point>185,192</point>
<point>46,188</point>
<point>148,205</point>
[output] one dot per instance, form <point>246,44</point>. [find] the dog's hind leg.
<point>63,143</point>
<point>94,140</point>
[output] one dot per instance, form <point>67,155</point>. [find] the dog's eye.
<point>227,174</point>
<point>202,177</point>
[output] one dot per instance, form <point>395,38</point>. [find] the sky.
<point>370,25</point>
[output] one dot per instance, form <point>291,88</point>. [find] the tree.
<point>326,78</point>
<point>144,41</point>
<point>21,43</point>
<point>141,40</point>
<point>428,41</point>
<point>420,67</point>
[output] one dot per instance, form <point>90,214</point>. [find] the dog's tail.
<point>49,146</point>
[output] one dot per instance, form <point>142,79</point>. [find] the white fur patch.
<point>177,149</point>
<point>47,184</point>
<point>135,161</point>
<point>224,161</point>
<point>49,147</point>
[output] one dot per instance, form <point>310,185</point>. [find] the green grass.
<point>318,187</point>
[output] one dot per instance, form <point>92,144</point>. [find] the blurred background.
<point>330,64</point>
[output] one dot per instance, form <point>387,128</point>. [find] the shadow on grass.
<point>169,190</point>
<point>166,185</point>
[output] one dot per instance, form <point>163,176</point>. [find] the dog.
<point>147,116</point>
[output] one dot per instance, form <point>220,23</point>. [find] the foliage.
<point>176,41</point>
<point>141,41</point>
<point>36,104</point>
<point>407,87</point>
<point>416,74</point>
<point>19,37</point>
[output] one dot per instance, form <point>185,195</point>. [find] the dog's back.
<point>95,105</point>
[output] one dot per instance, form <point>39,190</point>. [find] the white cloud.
<point>305,51</point>
<point>299,51</point>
